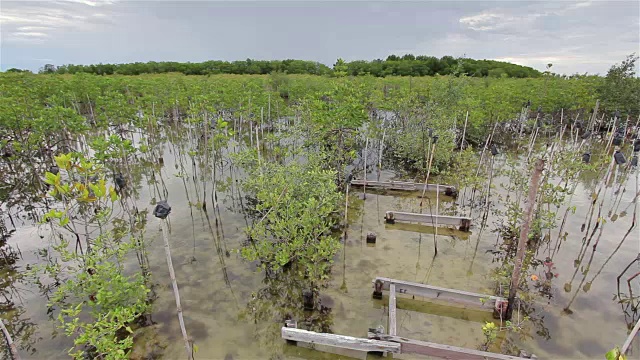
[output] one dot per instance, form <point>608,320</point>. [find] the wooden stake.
<point>176,292</point>
<point>464,130</point>
<point>426,180</point>
<point>524,235</point>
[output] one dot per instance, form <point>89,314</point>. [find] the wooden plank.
<point>437,308</point>
<point>341,341</point>
<point>410,346</point>
<point>392,310</point>
<point>428,219</point>
<point>405,186</point>
<point>450,295</point>
<point>428,229</point>
<point>630,338</point>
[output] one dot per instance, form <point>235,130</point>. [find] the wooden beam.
<point>449,295</point>
<point>392,310</point>
<point>428,229</point>
<point>410,346</point>
<point>463,223</point>
<point>437,308</point>
<point>406,186</point>
<point>341,341</point>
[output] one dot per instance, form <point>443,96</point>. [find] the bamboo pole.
<point>426,180</point>
<point>364,168</point>
<point>161,211</point>
<point>524,235</point>
<point>10,343</point>
<point>464,131</point>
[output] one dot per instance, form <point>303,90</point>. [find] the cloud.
<point>33,28</point>
<point>519,18</point>
<point>32,21</point>
<point>487,21</point>
<point>30,34</point>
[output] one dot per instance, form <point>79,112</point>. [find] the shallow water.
<point>233,312</point>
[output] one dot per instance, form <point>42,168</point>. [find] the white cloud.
<point>93,3</point>
<point>30,34</point>
<point>33,28</point>
<point>519,18</point>
<point>26,21</point>
<point>494,20</point>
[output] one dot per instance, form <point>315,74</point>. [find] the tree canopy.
<point>393,65</point>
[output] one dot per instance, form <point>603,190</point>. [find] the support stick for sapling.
<point>161,211</point>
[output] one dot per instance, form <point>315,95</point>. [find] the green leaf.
<point>112,194</point>
<point>64,221</point>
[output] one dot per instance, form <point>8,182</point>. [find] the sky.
<point>574,36</point>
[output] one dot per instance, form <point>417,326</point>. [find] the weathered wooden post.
<point>524,235</point>
<point>161,211</point>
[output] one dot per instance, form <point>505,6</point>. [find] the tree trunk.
<point>524,235</point>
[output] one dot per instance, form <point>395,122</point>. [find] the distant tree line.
<point>248,66</point>
<point>393,65</point>
<point>409,65</point>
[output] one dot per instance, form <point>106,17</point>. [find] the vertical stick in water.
<point>426,180</point>
<point>435,233</point>
<point>464,130</point>
<point>380,154</point>
<point>161,211</point>
<point>366,149</point>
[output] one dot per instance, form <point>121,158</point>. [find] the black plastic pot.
<point>494,150</point>
<point>619,158</point>
<point>617,141</point>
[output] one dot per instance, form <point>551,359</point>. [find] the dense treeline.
<point>249,67</point>
<point>407,65</point>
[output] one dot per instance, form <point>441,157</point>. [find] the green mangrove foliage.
<point>99,301</point>
<point>296,206</point>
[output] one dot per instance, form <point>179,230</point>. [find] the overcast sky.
<point>576,36</point>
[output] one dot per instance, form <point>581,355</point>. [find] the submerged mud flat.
<point>231,310</point>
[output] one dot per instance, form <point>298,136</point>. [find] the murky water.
<point>232,311</point>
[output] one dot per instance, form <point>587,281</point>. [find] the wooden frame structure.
<point>377,342</point>
<point>447,190</point>
<point>462,223</point>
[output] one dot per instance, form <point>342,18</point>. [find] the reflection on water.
<point>233,310</point>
